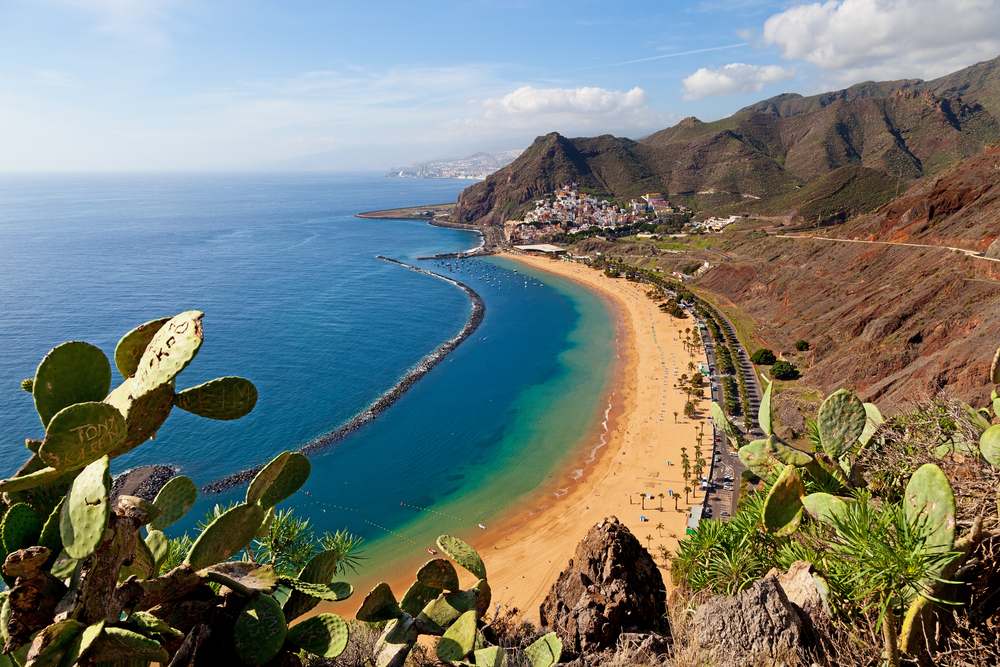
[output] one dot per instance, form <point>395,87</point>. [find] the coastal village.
<point>572,211</point>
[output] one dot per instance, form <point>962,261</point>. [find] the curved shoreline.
<point>380,404</point>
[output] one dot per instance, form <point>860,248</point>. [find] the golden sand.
<point>525,553</point>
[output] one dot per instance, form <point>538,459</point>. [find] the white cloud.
<point>856,40</point>
<point>733,78</point>
<point>530,111</point>
<point>588,101</point>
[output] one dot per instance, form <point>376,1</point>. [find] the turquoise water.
<point>296,301</point>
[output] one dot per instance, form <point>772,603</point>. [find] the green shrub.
<point>763,357</point>
<point>782,370</point>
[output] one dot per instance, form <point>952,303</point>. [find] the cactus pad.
<point>50,537</point>
<point>175,499</point>
<point>20,529</point>
<point>438,573</point>
<point>929,498</point>
<point>84,516</point>
<point>169,352</point>
<point>989,445</point>
<point>396,642</point>
<point>379,605</point>
<point>71,373</point>
<point>417,597</point>
<point>754,456</point>
<point>335,591</point>
<point>324,635</point>
<point>144,415</point>
<point>823,506</point>
<point>463,554</point>
<point>441,612</point>
<point>244,577</point>
<point>764,412</point>
<point>159,546</point>
<point>995,368</point>
<point>223,398</point>
<point>52,642</point>
<point>320,569</point>
<point>458,640</point>
<point>80,434</point>
<point>484,595</point>
<point>266,477</point>
<point>265,525</point>
<point>873,421</point>
<point>785,454</point>
<point>151,625</point>
<point>841,422</point>
<point>783,506</point>
<point>229,534</point>
<point>544,651</point>
<point>121,644</point>
<point>31,480</point>
<point>293,475</point>
<point>143,564</point>
<point>721,421</point>
<point>81,644</point>
<point>260,630</point>
<point>129,350</point>
<point>492,656</point>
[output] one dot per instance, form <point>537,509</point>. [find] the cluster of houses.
<point>568,210</point>
<point>715,224</point>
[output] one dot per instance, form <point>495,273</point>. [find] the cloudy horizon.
<point>192,85</point>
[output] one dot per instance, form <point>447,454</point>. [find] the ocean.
<point>296,301</point>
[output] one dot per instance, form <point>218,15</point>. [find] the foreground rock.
<point>144,482</point>
<point>610,587</point>
<point>758,627</point>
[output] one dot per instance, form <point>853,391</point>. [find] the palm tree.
<point>687,490</point>
<point>649,541</point>
<point>660,528</point>
<point>675,415</point>
<point>642,495</point>
<point>677,498</point>
<point>661,501</point>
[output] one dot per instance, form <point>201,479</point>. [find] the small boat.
<point>432,552</point>
<point>482,526</point>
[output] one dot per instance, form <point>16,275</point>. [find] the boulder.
<point>610,586</point>
<point>802,588</point>
<point>758,627</point>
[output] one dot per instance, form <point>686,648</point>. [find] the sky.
<point>123,85</point>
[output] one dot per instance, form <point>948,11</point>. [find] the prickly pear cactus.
<point>783,506</point>
<point>231,533</point>
<point>75,372</point>
<point>463,554</point>
<point>324,635</point>
<point>260,631</point>
<point>175,499</point>
<point>823,506</point>
<point>841,422</point>
<point>266,477</point>
<point>545,651</point>
<point>930,500</point>
<point>223,399</point>
<point>989,445</point>
<point>84,517</point>
<point>438,573</point>
<point>379,605</point>
<point>293,475</point>
<point>458,640</point>
<point>168,352</point>
<point>764,412</point>
<point>80,434</point>
<point>130,348</point>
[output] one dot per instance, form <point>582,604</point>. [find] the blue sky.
<point>204,85</point>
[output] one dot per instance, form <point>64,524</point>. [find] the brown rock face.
<point>759,627</point>
<point>610,586</point>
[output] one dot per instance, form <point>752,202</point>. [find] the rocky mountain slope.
<point>765,157</point>
<point>895,322</point>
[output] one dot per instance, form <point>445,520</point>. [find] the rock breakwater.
<point>388,398</point>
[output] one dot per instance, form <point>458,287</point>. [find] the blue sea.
<point>295,300</point>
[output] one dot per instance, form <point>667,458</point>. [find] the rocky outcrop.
<point>758,627</point>
<point>610,587</point>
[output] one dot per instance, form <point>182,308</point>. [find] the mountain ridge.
<point>904,130</point>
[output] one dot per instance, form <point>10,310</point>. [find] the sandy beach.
<point>525,554</point>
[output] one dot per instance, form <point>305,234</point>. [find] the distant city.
<point>475,167</point>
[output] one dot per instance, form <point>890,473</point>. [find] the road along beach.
<point>526,549</point>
